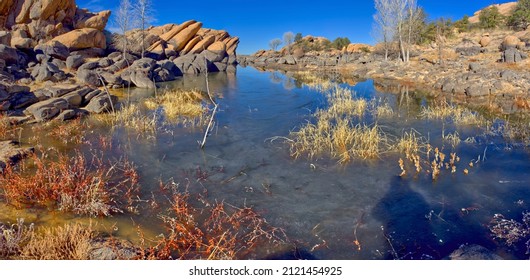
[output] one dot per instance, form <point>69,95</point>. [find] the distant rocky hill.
<point>505,9</point>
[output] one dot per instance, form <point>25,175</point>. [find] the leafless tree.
<point>124,22</point>
<point>398,18</point>
<point>411,21</point>
<point>274,43</point>
<point>288,39</point>
<point>144,13</point>
<point>386,23</point>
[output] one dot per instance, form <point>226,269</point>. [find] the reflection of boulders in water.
<point>402,215</point>
<point>473,252</point>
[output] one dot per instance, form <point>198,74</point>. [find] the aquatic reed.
<point>458,114</point>
<point>179,106</point>
<point>132,117</point>
<point>335,134</point>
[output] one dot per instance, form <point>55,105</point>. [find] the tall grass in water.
<point>336,134</point>
<point>176,106</point>
<point>130,116</point>
<point>185,107</point>
<point>315,82</point>
<point>458,114</point>
<point>79,184</point>
<point>215,231</point>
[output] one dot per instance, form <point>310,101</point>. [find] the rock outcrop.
<point>505,9</point>
<point>35,21</point>
<point>83,39</point>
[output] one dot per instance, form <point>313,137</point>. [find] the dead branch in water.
<point>214,109</point>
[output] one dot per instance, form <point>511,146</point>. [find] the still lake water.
<point>325,207</point>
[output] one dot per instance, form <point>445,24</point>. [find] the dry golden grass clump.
<point>130,116</point>
<point>69,242</point>
<point>458,114</point>
<point>336,135</point>
<point>180,106</point>
<point>315,82</point>
<point>176,106</point>
<point>74,183</point>
<point>215,231</point>
<point>383,110</point>
<point>342,102</point>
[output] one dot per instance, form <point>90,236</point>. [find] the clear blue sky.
<point>257,22</point>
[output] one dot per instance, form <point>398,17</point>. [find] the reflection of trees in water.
<point>289,83</point>
<point>276,77</point>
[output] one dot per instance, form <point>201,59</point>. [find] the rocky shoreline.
<point>484,72</point>
<point>57,61</point>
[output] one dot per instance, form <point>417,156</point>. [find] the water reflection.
<point>318,202</point>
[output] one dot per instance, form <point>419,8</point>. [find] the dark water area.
<point>360,210</point>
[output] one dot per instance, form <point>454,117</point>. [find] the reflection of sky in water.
<point>316,201</point>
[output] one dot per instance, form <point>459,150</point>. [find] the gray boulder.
<point>214,56</point>
<point>47,109</point>
<point>8,54</point>
<point>477,90</point>
<point>140,73</point>
<point>164,75</point>
<point>88,77</point>
<point>141,79</point>
<point>5,38</point>
<point>468,48</point>
<point>66,115</point>
<point>74,99</point>
<point>145,63</point>
<point>105,62</point>
<point>290,60</point>
<point>90,53</point>
<point>74,61</point>
<point>54,49</point>
<point>47,72</point>
<point>56,90</point>
<point>111,79</point>
<point>101,104</point>
<point>118,65</point>
<point>89,66</point>
<point>22,100</point>
<point>183,62</point>
<point>511,55</point>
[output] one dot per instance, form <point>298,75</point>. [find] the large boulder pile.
<point>33,22</point>
<point>55,57</point>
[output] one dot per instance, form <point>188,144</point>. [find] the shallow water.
<point>323,207</point>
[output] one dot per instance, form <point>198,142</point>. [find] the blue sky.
<point>258,22</point>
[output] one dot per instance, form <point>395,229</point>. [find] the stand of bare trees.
<point>397,21</point>
<point>132,15</point>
